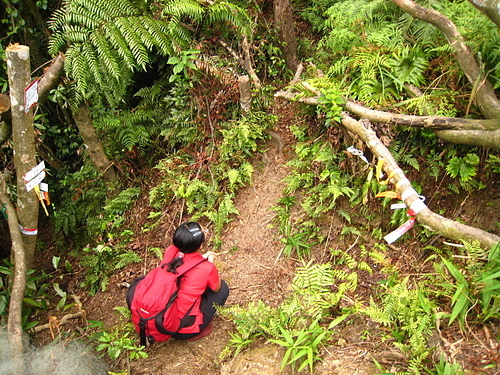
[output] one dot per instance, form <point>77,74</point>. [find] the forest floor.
<point>251,264</point>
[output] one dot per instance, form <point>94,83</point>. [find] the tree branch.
<point>485,95</point>
<point>448,228</point>
<point>51,77</point>
<point>246,61</point>
<point>432,122</point>
<point>445,227</point>
<point>473,132</point>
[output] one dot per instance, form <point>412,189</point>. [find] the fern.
<point>464,168</point>
<point>312,286</point>
<point>106,40</point>
<point>379,49</point>
<point>127,258</point>
<point>408,66</point>
<point>409,314</point>
<point>206,15</point>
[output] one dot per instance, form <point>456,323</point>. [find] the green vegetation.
<point>118,343</point>
<point>160,80</point>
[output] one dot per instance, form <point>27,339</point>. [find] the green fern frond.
<point>387,36</point>
<point>132,34</point>
<point>365,266</point>
<point>410,160</point>
<point>119,43</point>
<point>77,34</point>
<point>57,42</point>
<point>106,54</point>
<point>91,58</point>
<point>231,13</point>
<point>422,32</point>
<point>76,61</point>
<point>183,8</point>
<point>150,95</point>
<point>157,30</point>
<point>122,202</point>
<point>115,35</point>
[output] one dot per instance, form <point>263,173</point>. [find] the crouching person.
<point>177,298</point>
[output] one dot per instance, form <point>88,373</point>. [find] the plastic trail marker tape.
<point>30,95</point>
<point>28,232</point>
<point>394,235</point>
<point>44,188</point>
<point>354,151</point>
<point>33,179</point>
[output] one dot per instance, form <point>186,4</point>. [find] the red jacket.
<point>193,284</point>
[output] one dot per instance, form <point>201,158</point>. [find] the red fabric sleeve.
<point>213,279</point>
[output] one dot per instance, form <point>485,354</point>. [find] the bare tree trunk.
<point>490,8</point>
<point>83,120</point>
<point>283,18</point>
<point>14,324</point>
<point>23,133</point>
<point>485,95</point>
<point>50,79</point>
<point>245,95</point>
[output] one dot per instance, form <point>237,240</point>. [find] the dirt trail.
<point>248,264</point>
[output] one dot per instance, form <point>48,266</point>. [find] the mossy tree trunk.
<point>285,26</point>
<point>105,167</point>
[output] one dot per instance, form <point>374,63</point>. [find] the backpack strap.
<point>142,331</point>
<point>190,267</point>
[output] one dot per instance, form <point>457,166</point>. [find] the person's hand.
<point>210,255</point>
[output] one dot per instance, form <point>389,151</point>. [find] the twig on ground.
<point>55,323</point>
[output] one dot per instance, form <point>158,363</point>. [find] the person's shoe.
<point>207,331</point>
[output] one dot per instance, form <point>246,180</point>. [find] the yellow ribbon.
<point>387,194</point>
<point>40,198</point>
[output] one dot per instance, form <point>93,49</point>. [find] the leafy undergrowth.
<point>301,246</point>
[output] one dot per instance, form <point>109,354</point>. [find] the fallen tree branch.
<point>473,132</point>
<point>56,323</point>
<point>445,227</point>
<point>432,122</point>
